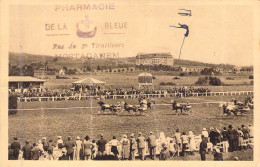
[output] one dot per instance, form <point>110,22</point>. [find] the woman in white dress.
<point>192,145</point>
<point>78,144</point>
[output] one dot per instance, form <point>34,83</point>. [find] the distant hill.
<point>58,63</point>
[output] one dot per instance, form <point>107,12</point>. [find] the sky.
<point>217,34</point>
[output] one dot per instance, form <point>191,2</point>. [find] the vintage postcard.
<point>129,83</point>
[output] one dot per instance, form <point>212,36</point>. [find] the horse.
<point>128,107</point>
<point>105,106</point>
<point>235,109</point>
<point>176,106</point>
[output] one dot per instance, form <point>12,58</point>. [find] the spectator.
<point>69,147</point>
<point>240,138</point>
<point>78,144</point>
<point>172,148</point>
<point>230,138</point>
<point>203,148</point>
<point>164,153</point>
<point>213,136</point>
<point>101,145</point>
<point>93,149</point>
<point>245,132</point>
<point>45,144</point>
<point>133,147</point>
<point>50,149</point>
<point>16,148</point>
<point>224,134</point>
<point>114,144</point>
<point>177,136</point>
<point>10,153</point>
<point>236,136</point>
<point>141,145</point>
<point>192,146</point>
<point>59,142</point>
<point>184,140</point>
<point>36,152</point>
<point>125,147</point>
<point>27,151</point>
<point>87,145</point>
<point>152,145</point>
<point>251,131</point>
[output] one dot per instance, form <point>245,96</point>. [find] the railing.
<point>132,96</point>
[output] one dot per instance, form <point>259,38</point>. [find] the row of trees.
<point>16,70</point>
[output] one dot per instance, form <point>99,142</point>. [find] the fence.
<point>79,97</point>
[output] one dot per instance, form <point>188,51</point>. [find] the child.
<point>164,154</point>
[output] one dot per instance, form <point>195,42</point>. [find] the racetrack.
<point>80,118</point>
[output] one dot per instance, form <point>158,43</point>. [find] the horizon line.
<point>32,54</point>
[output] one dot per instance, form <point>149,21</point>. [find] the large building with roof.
<point>151,59</point>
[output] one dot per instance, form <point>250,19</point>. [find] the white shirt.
<point>205,133</point>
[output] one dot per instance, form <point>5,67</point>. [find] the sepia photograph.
<point>131,81</point>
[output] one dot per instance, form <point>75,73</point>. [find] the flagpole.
<point>181,47</point>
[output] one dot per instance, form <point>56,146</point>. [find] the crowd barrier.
<point>79,97</point>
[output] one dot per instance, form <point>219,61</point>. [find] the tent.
<point>89,83</point>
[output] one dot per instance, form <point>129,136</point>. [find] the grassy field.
<point>35,124</point>
<point>127,80</point>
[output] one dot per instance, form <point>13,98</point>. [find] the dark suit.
<point>101,145</point>
<point>203,149</point>
<point>27,152</point>
<point>16,147</point>
<point>69,147</point>
<point>152,145</point>
<point>231,140</point>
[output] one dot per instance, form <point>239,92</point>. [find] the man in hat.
<point>231,138</point>
<point>225,139</point>
<point>152,145</point>
<point>141,145</point>
<point>16,147</point>
<point>27,151</point>
<point>133,146</point>
<point>101,143</point>
<point>203,148</point>
<point>69,147</point>
<point>213,136</point>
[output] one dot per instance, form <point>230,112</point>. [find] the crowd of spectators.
<point>56,95</point>
<point>213,141</point>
